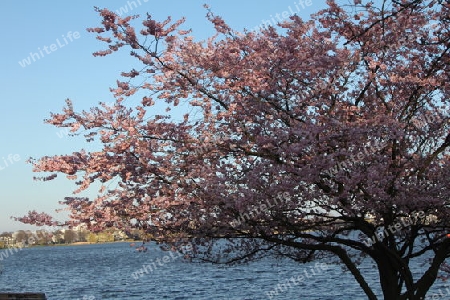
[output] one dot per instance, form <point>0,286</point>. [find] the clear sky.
<point>46,57</point>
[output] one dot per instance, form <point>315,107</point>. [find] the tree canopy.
<point>326,138</point>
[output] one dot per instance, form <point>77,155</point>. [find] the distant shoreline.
<point>72,244</point>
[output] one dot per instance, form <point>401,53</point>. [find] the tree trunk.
<point>427,280</point>
<point>388,279</point>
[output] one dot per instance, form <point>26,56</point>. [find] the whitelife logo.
<point>46,50</point>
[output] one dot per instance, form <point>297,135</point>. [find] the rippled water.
<point>106,272</point>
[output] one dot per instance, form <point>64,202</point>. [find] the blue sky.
<point>52,37</point>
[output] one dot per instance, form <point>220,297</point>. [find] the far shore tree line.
<point>65,236</point>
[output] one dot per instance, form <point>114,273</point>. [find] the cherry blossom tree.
<point>320,139</point>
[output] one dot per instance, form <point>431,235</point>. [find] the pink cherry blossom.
<point>300,141</point>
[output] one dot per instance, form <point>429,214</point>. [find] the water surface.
<point>108,271</point>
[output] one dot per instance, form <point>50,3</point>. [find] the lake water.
<point>108,271</point>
